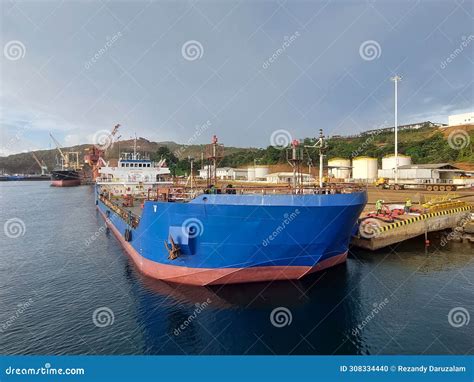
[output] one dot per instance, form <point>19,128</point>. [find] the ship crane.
<point>64,158</point>
<point>65,161</point>
<point>41,164</point>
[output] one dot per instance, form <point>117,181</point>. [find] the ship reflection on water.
<point>355,308</point>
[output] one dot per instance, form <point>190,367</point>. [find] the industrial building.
<point>225,173</point>
<point>461,119</point>
<point>287,177</point>
<point>431,173</point>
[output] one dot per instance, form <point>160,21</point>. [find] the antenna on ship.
<point>322,145</point>
<point>135,147</point>
<point>294,156</point>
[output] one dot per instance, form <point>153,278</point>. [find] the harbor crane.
<point>41,164</point>
<point>65,157</point>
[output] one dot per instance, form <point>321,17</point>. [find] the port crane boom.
<point>41,164</point>
<point>65,158</point>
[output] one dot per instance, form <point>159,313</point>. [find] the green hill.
<point>425,145</point>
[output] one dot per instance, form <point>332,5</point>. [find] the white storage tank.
<point>251,173</point>
<point>364,168</point>
<point>261,172</point>
<point>341,168</point>
<point>388,162</point>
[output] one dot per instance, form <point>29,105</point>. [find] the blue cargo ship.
<point>235,238</point>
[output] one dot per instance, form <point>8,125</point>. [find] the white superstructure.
<point>134,174</point>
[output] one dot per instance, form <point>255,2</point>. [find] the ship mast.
<point>322,145</point>
<point>295,158</point>
<point>214,151</point>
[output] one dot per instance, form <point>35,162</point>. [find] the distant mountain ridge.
<point>428,144</point>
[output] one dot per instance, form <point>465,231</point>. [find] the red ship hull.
<point>210,276</point>
<point>66,183</point>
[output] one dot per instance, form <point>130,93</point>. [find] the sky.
<point>251,72</point>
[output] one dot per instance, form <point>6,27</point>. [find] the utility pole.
<point>396,79</point>
<point>191,160</point>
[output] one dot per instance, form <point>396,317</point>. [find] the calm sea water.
<point>64,266</point>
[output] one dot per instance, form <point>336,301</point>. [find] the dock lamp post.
<point>396,79</point>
